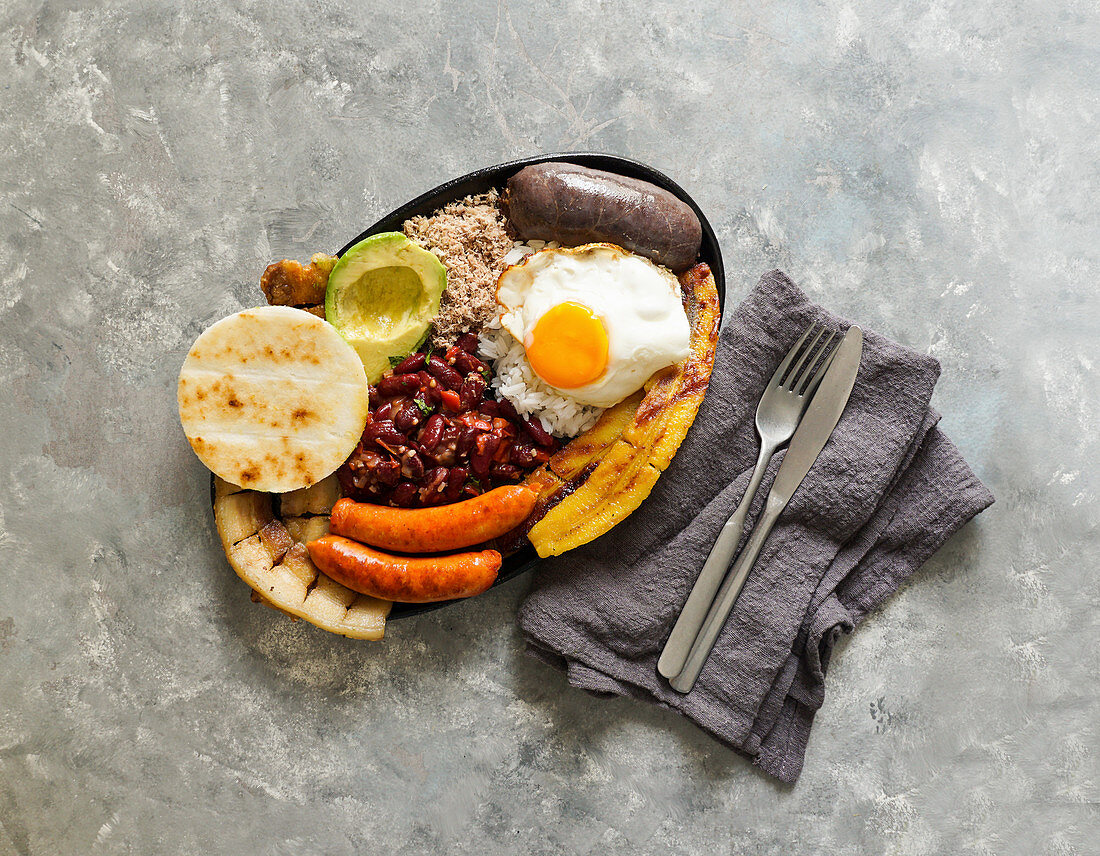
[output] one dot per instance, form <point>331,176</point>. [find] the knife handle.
<point>694,611</point>
<point>727,596</point>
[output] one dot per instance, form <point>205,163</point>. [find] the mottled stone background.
<point>928,167</point>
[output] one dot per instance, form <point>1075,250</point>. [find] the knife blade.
<point>821,416</point>
<point>817,425</point>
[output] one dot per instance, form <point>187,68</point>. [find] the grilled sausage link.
<point>406,579</point>
<point>437,529</point>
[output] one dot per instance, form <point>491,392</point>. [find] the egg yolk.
<point>568,347</point>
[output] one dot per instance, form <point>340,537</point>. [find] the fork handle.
<point>675,653</point>
<point>727,596</point>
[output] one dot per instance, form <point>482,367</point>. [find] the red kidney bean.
<point>407,417</point>
<point>446,451</point>
<point>410,364</point>
<point>412,465</point>
<point>467,436</point>
<point>472,390</point>
<point>404,494</point>
<point>539,434</point>
<point>432,433</point>
<point>435,480</point>
<point>384,411</point>
<point>468,342</point>
<point>489,409</point>
<point>467,363</point>
<point>447,375</point>
<point>480,463</point>
<point>350,480</point>
<point>383,430</point>
<point>522,453</point>
<point>388,472</point>
<point>456,480</point>
<point>396,406</point>
<point>482,456</point>
<point>398,384</point>
<point>506,409</point>
<point>368,460</point>
<point>430,387</point>
<point>506,472</point>
<point>488,443</point>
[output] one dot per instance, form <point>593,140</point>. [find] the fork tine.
<point>796,369</point>
<point>806,371</point>
<point>780,372</point>
<point>819,372</point>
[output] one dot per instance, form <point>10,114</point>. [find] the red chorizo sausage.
<point>436,529</point>
<point>406,579</point>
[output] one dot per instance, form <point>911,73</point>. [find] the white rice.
<point>521,249</point>
<point>514,379</point>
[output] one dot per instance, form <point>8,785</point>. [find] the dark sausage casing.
<point>577,205</point>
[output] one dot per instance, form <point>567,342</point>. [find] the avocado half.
<point>382,296</point>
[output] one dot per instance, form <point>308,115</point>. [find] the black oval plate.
<point>497,176</point>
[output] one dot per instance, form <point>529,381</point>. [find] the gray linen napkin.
<point>887,490</point>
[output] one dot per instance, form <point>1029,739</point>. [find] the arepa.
<point>272,399</point>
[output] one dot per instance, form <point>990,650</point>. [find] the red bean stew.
<point>434,435</point>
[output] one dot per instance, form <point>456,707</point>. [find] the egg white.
<point>638,302</point>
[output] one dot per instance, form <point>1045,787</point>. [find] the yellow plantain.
<point>579,452</point>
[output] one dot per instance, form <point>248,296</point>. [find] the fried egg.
<point>595,321</point>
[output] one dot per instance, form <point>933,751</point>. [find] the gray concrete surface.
<point>928,167</point>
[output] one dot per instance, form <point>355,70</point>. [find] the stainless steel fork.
<point>777,416</point>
